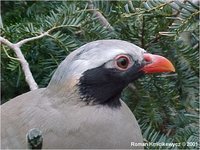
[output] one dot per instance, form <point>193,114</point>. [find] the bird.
<point>81,106</point>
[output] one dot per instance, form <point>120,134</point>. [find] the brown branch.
<point>100,17</point>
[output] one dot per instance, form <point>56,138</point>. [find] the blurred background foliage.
<point>166,105</point>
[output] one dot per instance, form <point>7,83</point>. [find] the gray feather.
<point>65,121</point>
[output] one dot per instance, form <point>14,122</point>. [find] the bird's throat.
<point>98,86</point>
<point>96,96</point>
<point>103,85</point>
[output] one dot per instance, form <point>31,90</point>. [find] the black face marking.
<point>104,86</point>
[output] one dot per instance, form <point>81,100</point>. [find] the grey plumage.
<point>64,119</point>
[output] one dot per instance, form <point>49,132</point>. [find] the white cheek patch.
<point>104,56</point>
<point>110,64</point>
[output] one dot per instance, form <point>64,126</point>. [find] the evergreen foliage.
<point>167,105</point>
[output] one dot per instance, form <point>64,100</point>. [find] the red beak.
<point>157,64</point>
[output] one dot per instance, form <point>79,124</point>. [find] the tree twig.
<point>100,17</point>
<point>20,57</point>
<point>131,5</point>
<point>6,42</point>
<point>9,55</point>
<point>20,43</point>
<point>25,66</point>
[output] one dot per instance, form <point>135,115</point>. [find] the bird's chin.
<point>138,75</point>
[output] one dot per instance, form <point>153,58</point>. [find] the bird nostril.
<point>147,58</point>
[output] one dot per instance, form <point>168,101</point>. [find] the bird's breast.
<point>95,127</point>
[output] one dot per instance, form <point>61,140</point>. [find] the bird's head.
<point>100,70</point>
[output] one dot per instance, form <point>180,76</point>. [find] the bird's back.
<point>17,116</point>
<point>68,125</point>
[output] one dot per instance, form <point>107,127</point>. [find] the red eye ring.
<point>122,62</point>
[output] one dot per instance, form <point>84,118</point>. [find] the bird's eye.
<point>122,62</point>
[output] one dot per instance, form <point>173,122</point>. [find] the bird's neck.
<point>85,94</point>
<point>99,93</point>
